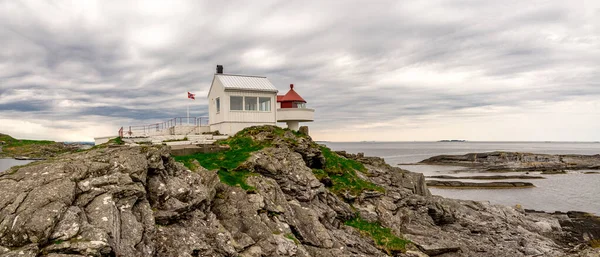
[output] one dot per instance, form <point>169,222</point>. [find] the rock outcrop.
<point>137,201</point>
<point>483,185</point>
<point>513,161</point>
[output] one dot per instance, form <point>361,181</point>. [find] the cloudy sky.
<point>373,70</point>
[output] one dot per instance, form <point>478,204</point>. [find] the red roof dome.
<point>290,96</point>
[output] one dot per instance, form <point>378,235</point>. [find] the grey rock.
<point>133,201</point>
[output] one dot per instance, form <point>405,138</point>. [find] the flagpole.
<point>188,112</point>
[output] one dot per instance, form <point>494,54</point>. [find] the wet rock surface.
<point>137,201</point>
<point>514,161</point>
<point>492,185</point>
<point>491,177</point>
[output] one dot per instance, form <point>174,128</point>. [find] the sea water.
<point>5,164</point>
<point>574,191</point>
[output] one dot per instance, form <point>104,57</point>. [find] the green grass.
<point>117,141</point>
<point>12,142</point>
<point>342,173</point>
<point>236,178</point>
<point>338,164</point>
<point>227,162</point>
<point>240,150</point>
<point>12,147</point>
<point>176,140</point>
<point>292,237</point>
<point>382,236</point>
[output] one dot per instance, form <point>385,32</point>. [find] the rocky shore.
<point>473,185</point>
<point>515,161</point>
<point>491,177</point>
<point>289,197</point>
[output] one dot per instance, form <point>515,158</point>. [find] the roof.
<point>291,96</point>
<point>279,98</point>
<point>244,82</point>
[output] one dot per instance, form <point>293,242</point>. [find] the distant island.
<point>515,161</point>
<point>24,149</point>
<point>453,140</point>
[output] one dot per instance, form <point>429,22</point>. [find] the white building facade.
<point>238,101</point>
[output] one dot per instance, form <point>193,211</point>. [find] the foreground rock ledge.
<point>136,201</point>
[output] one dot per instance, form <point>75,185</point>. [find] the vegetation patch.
<point>342,173</point>
<point>338,164</point>
<point>382,236</point>
<point>595,243</point>
<point>11,147</point>
<point>227,162</point>
<point>175,140</point>
<point>116,141</point>
<point>291,236</point>
<point>112,141</point>
<point>236,178</point>
<point>240,149</point>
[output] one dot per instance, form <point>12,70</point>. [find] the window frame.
<point>231,103</point>
<point>270,100</point>
<point>218,104</point>
<point>255,103</point>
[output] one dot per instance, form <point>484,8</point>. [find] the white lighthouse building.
<point>239,101</point>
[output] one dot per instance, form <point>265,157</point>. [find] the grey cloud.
<point>99,64</point>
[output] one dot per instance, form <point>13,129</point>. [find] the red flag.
<point>191,96</point>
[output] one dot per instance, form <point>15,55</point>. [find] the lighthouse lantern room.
<point>292,109</point>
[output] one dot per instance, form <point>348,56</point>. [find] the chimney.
<point>219,69</point>
<point>291,86</point>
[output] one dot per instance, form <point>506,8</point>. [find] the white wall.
<point>216,90</point>
<point>229,122</point>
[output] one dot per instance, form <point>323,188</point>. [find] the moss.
<point>240,150</point>
<point>236,178</point>
<point>176,140</point>
<point>338,164</point>
<point>342,173</point>
<point>290,236</point>
<point>241,146</point>
<point>383,237</point>
<point>57,242</point>
<point>595,243</point>
<point>116,141</point>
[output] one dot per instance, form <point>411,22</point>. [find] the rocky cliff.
<point>514,161</point>
<point>276,194</point>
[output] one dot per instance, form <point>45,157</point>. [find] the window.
<point>236,103</point>
<point>218,104</point>
<point>264,104</point>
<point>299,105</point>
<point>251,104</point>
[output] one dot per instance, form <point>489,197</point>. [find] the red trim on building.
<point>290,96</point>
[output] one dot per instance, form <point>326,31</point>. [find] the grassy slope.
<point>342,173</point>
<point>32,148</point>
<point>227,162</point>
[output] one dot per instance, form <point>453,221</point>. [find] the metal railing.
<point>155,128</point>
